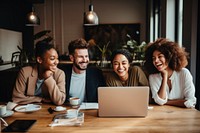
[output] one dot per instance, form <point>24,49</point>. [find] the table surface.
<point>159,119</point>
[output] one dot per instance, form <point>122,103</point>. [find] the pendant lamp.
<point>32,19</point>
<point>90,17</point>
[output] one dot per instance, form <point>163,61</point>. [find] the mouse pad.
<point>19,126</point>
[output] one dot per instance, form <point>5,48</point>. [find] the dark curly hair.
<point>77,44</point>
<point>42,47</point>
<point>124,52</point>
<point>175,55</point>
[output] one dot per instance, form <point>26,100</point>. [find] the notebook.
<point>123,101</point>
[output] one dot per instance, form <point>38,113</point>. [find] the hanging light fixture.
<point>90,17</point>
<point>32,19</point>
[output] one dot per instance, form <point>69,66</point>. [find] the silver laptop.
<point>123,101</point>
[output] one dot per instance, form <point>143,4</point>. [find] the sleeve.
<point>189,91</point>
<point>101,79</point>
<point>111,80</point>
<point>56,87</point>
<point>19,90</point>
<point>142,77</point>
<point>155,85</point>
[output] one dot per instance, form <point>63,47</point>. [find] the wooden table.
<point>160,119</point>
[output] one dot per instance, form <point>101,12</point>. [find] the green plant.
<point>104,50</point>
<point>136,49</point>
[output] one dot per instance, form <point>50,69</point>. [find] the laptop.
<point>123,101</point>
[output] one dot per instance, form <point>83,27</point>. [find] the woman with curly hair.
<point>170,82</point>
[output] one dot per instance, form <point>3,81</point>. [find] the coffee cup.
<point>2,110</point>
<point>74,101</point>
<point>72,112</point>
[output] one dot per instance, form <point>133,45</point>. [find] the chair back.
<point>16,58</point>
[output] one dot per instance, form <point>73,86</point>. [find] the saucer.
<point>59,108</point>
<point>8,113</point>
<point>28,108</point>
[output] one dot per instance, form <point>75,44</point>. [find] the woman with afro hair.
<point>170,82</point>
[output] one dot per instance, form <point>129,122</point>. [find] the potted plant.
<point>136,49</point>
<point>104,51</point>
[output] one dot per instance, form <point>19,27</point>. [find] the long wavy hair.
<point>176,56</point>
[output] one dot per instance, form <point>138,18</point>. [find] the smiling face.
<point>121,66</point>
<point>159,61</point>
<point>49,61</point>
<point>80,59</point>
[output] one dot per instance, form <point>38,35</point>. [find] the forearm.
<point>162,90</point>
<point>177,102</point>
<point>56,90</point>
<point>22,99</point>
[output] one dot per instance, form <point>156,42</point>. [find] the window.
<point>166,19</point>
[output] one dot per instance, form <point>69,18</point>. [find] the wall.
<point>13,17</point>
<point>197,60</point>
<point>65,17</point>
<point>9,40</point>
<point>190,33</point>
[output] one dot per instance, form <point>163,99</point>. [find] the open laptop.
<point>123,101</point>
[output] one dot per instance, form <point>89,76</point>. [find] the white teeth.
<point>159,65</point>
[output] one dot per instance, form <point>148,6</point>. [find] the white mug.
<point>74,101</point>
<point>72,112</point>
<point>2,110</point>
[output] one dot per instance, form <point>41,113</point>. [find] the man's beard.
<point>79,67</point>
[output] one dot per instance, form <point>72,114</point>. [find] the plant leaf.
<point>40,34</point>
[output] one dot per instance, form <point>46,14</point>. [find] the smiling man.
<point>82,81</point>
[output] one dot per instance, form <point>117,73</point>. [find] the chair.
<point>15,59</point>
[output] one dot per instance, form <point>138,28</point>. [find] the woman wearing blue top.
<point>170,82</point>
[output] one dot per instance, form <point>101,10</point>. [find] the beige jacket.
<point>53,88</point>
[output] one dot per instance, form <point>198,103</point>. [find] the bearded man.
<point>82,81</point>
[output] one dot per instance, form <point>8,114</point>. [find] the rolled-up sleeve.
<point>189,91</point>
<point>56,87</point>
<point>159,100</point>
<point>155,82</point>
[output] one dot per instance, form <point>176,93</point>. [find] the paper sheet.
<point>89,106</point>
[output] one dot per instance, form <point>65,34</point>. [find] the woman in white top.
<point>170,82</point>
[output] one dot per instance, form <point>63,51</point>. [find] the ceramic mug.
<point>72,112</point>
<point>2,110</point>
<point>74,101</point>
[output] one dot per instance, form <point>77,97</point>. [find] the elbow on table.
<point>161,103</point>
<point>59,101</point>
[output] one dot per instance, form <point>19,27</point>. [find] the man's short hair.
<point>77,44</point>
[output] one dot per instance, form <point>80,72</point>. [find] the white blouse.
<point>182,87</point>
